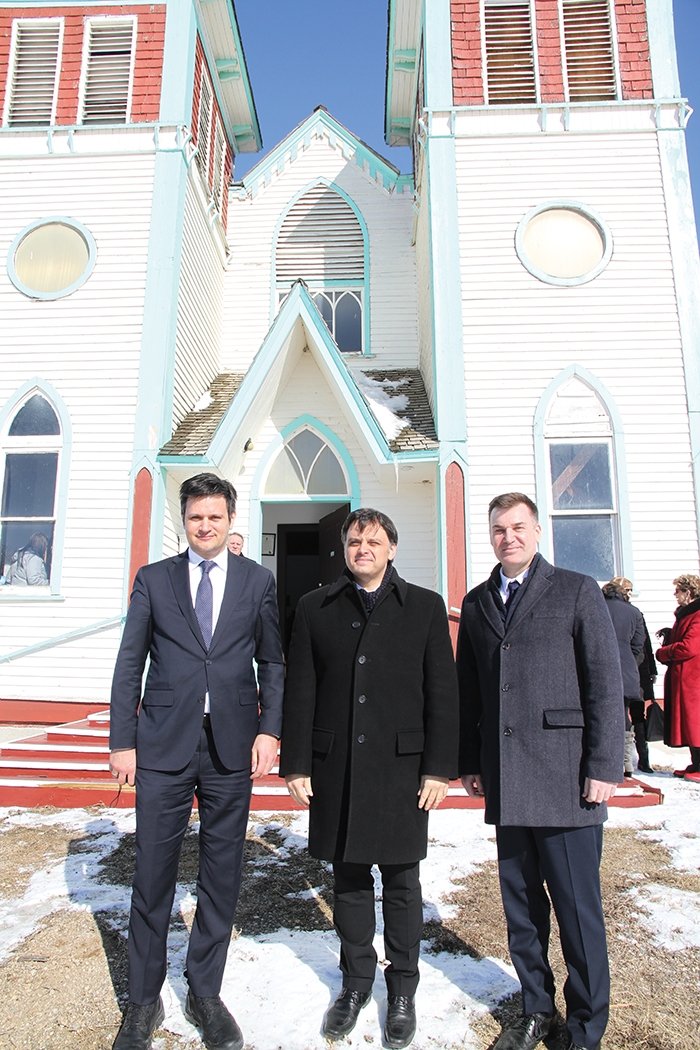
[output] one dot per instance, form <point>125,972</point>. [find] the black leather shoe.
<point>342,1016</point>
<point>644,767</point>
<point>577,1046</point>
<point>527,1032</point>
<point>400,1026</point>
<point>138,1025</point>
<point>219,1030</point>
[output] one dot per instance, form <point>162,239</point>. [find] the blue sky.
<point>305,53</point>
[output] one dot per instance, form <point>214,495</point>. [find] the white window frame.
<point>17,23</point>
<point>615,50</point>
<point>484,55</point>
<point>89,22</point>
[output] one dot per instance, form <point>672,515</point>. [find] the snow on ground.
<point>280,984</point>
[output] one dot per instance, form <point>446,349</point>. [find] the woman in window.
<point>28,564</point>
<point>682,682</point>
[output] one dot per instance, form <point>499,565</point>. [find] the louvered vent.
<point>320,240</point>
<point>204,127</point>
<point>510,58</point>
<point>219,158</point>
<point>34,73</point>
<point>588,46</point>
<point>108,72</point>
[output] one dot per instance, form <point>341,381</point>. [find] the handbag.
<point>654,722</point>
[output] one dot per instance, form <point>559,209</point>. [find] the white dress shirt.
<point>218,584</point>
<point>505,580</point>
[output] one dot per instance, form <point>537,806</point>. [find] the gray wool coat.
<point>370,706</point>
<point>541,699</point>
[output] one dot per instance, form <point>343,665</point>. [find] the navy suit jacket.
<point>164,723</point>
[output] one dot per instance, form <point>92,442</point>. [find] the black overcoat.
<point>541,700</point>
<point>629,630</point>
<point>370,706</point>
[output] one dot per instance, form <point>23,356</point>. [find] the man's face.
<point>367,554</point>
<point>514,537</point>
<point>235,543</point>
<point>207,525</point>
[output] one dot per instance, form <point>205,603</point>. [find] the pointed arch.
<point>571,430</point>
<point>51,452</point>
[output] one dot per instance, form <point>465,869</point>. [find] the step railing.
<point>62,639</point>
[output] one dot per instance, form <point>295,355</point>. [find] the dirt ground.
<point>60,988</point>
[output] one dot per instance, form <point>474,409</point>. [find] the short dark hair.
<point>207,485</point>
<point>364,516</point>
<point>511,499</point>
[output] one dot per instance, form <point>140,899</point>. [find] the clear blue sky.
<point>305,53</point>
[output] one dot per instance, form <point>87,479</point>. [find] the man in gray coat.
<point>541,737</point>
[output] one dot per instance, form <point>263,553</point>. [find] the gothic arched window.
<point>306,466</point>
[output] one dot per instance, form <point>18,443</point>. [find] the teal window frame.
<point>64,220</point>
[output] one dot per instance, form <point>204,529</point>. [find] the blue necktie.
<point>512,588</point>
<point>204,602</point>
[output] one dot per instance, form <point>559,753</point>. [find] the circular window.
<point>563,242</point>
<point>51,258</point>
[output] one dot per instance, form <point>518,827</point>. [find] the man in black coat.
<point>369,745</point>
<point>203,726</point>
<point>541,737</point>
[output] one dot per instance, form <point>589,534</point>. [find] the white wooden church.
<point>519,312</point>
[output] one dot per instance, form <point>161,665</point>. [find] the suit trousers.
<point>568,860</point>
<point>354,919</point>
<point>163,807</point>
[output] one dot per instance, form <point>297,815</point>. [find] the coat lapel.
<point>236,574</point>
<point>180,578</point>
<point>489,603</point>
<point>538,584</point>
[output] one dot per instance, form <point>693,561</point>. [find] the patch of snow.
<point>672,916</point>
<point>205,400</point>
<point>384,404</point>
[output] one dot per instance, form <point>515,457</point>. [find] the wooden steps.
<point>68,767</point>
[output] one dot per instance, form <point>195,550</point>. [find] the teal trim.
<point>64,220</point>
<point>620,464</point>
<point>438,55</point>
<point>178,63</point>
<point>567,205</point>
<point>662,49</point>
<point>62,639</point>
<point>38,385</point>
<point>334,441</point>
<point>321,181</point>
<point>246,78</point>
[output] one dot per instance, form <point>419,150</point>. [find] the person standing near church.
<point>203,726</point>
<point>369,745</point>
<point>542,739</point>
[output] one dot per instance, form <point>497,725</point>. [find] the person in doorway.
<point>235,543</point>
<point>542,739</point>
<point>201,726</point>
<point>682,681</point>
<point>369,746</point>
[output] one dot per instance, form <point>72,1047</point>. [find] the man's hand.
<point>263,756</point>
<point>598,790</point>
<point>472,784</point>
<point>432,791</point>
<point>122,765</point>
<point>299,788</point>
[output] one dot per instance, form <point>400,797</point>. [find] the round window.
<point>563,242</point>
<point>51,258</point>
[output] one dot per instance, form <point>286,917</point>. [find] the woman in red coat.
<point>682,682</point>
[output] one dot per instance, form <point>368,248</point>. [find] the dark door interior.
<point>330,548</point>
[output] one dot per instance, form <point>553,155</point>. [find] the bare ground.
<point>60,988</point>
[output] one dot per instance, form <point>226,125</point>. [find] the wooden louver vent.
<point>204,127</point>
<point>108,72</point>
<point>34,73</point>
<point>588,45</point>
<point>320,240</point>
<point>510,59</point>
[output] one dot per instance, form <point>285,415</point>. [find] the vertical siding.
<point>519,333</point>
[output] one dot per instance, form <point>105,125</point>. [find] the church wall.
<point>251,232</point>
<point>87,346</point>
<point>425,317</point>
<point>622,326</point>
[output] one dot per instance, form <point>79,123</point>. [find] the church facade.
<point>520,312</point>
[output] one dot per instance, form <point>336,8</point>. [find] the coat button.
<point>208,663</point>
<point>200,700</point>
<point>361,738</point>
<point>361,699</point>
<point>362,660</point>
<point>507,731</point>
<point>505,687</point>
<point>357,624</point>
<point>506,645</point>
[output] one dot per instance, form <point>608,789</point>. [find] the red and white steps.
<point>67,766</point>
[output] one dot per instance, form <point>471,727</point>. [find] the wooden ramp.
<point>68,767</point>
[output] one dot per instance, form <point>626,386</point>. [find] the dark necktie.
<point>512,588</point>
<point>204,602</point>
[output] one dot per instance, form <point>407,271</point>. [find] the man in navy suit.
<point>204,726</point>
<point>541,738</point>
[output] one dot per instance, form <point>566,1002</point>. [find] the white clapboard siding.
<point>510,55</point>
<point>520,333</point>
<point>88,347</point>
<point>392,274</point>
<point>200,297</point>
<point>108,70</point>
<point>425,314</point>
<point>34,72</point>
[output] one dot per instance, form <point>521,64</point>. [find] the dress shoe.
<point>577,1046</point>
<point>680,773</point>
<point>527,1032</point>
<point>400,1026</point>
<point>138,1025</point>
<point>644,768</point>
<point>219,1030</point>
<point>342,1016</point>
<point>628,773</point>
<point>694,778</point>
